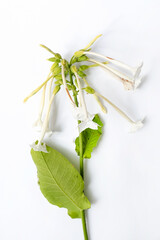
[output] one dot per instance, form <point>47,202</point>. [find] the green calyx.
<point>89,90</point>
<point>78,53</point>
<point>56,89</point>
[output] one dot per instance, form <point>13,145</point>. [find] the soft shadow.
<point>145,79</point>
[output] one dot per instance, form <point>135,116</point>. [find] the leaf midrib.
<point>58,184</point>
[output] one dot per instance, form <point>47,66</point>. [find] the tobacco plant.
<point>59,181</point>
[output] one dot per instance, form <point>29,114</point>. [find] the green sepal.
<point>58,77</point>
<point>59,82</point>
<point>53,59</point>
<point>82,58</point>
<point>56,70</point>
<point>54,65</point>
<point>58,56</point>
<point>89,90</point>
<point>83,67</point>
<point>73,60</point>
<point>81,74</point>
<point>90,138</point>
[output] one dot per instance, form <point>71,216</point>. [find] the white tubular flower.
<point>135,126</point>
<point>38,124</point>
<point>134,70</point>
<point>129,83</point>
<point>88,123</point>
<point>41,146</point>
<point>50,89</point>
<point>81,112</point>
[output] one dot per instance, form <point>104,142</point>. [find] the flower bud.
<point>53,59</point>
<point>73,69</point>
<point>89,90</point>
<point>81,74</point>
<point>56,89</point>
<point>83,67</point>
<point>78,53</point>
<point>54,65</point>
<point>82,58</point>
<point>57,56</point>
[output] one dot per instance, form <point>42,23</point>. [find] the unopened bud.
<point>83,67</point>
<point>56,89</point>
<point>78,53</point>
<point>73,69</point>
<point>89,90</point>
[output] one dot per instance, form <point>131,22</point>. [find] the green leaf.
<point>90,138</point>
<point>60,182</point>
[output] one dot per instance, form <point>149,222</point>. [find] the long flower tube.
<point>39,122</point>
<point>128,82</point>
<point>134,125</point>
<point>81,113</point>
<point>38,88</point>
<point>134,70</point>
<point>103,108</point>
<point>41,146</point>
<point>50,89</point>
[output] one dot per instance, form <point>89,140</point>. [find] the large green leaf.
<point>60,182</point>
<point>90,138</point>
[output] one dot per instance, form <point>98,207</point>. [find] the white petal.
<point>137,82</point>
<point>82,126</point>
<point>40,147</point>
<point>92,125</point>
<point>138,70</point>
<point>135,126</point>
<point>87,124</point>
<point>78,113</point>
<point>38,124</point>
<point>128,85</point>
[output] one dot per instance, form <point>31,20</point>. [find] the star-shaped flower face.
<point>135,126</point>
<point>40,147</point>
<point>86,122</point>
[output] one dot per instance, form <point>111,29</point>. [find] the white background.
<point>123,177</point>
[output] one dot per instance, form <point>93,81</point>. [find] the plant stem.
<point>81,152</point>
<point>81,163</point>
<point>84,226</point>
<point>82,174</point>
<point>71,80</point>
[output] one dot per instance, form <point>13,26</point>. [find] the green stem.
<point>81,163</point>
<point>84,226</point>
<point>81,152</point>
<point>82,174</point>
<point>71,80</point>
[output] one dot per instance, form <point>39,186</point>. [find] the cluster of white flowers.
<point>80,112</point>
